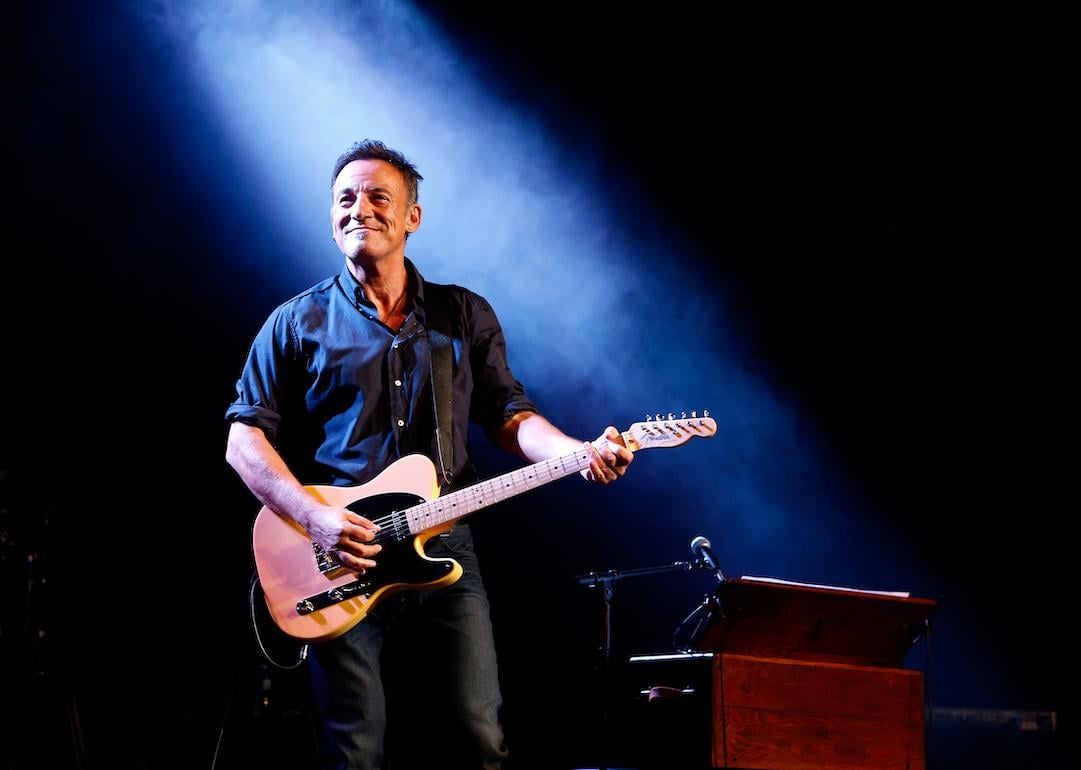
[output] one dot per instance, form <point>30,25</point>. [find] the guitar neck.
<point>465,501</point>
<point>640,435</point>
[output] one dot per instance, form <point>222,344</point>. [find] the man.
<point>338,384</point>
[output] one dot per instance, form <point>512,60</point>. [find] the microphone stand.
<point>606,582</point>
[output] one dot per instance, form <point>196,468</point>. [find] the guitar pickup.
<point>334,596</point>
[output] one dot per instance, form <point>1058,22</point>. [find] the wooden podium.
<point>810,678</point>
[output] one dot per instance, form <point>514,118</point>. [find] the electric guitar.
<point>313,597</point>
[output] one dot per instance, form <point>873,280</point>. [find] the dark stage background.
<point>870,196</point>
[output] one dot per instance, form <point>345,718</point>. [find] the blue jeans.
<point>427,658</point>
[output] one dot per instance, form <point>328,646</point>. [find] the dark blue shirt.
<point>341,396</point>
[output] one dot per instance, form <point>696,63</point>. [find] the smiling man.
<point>337,386</point>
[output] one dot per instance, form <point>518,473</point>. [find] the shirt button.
<point>398,383</point>
<point>395,345</point>
<point>401,423</point>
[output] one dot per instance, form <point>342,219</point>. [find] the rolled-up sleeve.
<point>264,381</point>
<point>497,395</point>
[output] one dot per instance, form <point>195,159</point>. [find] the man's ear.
<point>412,219</point>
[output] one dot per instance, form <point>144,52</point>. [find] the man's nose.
<point>360,209</point>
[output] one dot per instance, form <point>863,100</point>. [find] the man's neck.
<point>385,285</point>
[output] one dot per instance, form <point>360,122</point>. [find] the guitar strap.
<point>441,366</point>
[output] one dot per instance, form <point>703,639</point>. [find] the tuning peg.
<point>683,415</point>
<point>649,417</point>
<point>658,417</point>
<point>694,413</point>
<point>705,413</point>
<point>671,416</point>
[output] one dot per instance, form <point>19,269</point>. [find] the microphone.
<point>703,552</point>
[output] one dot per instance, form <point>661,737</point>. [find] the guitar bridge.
<point>324,560</point>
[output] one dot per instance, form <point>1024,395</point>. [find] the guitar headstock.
<point>668,431</point>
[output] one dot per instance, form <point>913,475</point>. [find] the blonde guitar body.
<point>289,566</point>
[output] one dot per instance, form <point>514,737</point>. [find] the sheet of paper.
<point>901,594</point>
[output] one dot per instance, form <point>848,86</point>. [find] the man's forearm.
<point>264,472</point>
<point>531,437</point>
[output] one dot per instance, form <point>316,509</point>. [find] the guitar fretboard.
<point>465,501</point>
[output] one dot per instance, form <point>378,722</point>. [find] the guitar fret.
<point>433,513</point>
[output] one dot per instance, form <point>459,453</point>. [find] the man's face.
<point>371,214</point>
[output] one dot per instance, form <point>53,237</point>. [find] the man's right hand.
<point>345,534</point>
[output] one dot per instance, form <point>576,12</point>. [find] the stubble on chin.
<point>352,246</point>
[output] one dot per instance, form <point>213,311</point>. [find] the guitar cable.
<point>236,679</point>
<point>302,654</point>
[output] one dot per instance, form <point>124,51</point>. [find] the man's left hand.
<point>610,457</point>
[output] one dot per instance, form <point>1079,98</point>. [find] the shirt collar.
<point>356,294</point>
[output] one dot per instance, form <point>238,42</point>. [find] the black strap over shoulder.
<point>441,364</point>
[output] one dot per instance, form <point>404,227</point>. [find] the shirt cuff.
<point>266,420</point>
